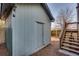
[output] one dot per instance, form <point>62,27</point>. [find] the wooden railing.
<point>62,35</point>
<point>61,38</point>
<point>63,32</point>
<point>73,23</point>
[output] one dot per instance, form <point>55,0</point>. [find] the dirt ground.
<point>51,49</point>
<point>3,50</point>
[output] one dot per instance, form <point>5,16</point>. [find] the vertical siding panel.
<point>24,28</point>
<point>18,31</point>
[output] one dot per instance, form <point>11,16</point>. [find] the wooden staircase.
<point>69,41</point>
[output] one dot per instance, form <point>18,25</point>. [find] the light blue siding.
<point>24,35</point>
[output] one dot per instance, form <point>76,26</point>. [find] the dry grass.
<point>55,33</point>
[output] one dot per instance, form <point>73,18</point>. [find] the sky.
<point>56,7</point>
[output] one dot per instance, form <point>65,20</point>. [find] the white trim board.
<point>38,49</point>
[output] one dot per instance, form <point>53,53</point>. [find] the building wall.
<point>8,34</point>
<point>24,39</point>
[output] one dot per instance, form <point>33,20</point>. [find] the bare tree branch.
<point>65,16</point>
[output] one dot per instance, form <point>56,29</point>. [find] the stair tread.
<point>71,42</point>
<point>74,41</point>
<point>73,46</point>
<point>70,49</point>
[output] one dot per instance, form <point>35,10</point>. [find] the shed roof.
<point>47,10</point>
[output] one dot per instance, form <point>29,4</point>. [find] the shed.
<point>28,28</point>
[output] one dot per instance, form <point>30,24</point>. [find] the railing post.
<point>61,36</point>
<point>77,20</point>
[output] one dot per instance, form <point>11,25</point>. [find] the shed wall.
<point>24,28</point>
